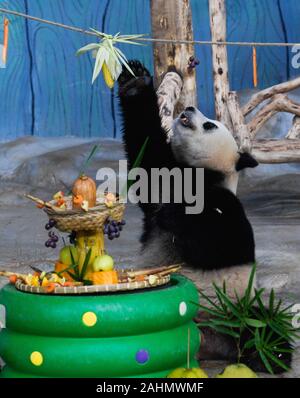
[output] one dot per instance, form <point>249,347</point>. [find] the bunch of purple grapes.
<point>72,238</point>
<point>53,238</point>
<point>193,62</point>
<point>113,228</point>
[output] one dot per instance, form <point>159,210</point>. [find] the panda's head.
<point>200,142</point>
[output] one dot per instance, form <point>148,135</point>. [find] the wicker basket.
<point>93,289</point>
<point>79,220</point>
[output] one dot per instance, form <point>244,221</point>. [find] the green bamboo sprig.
<point>269,327</point>
<point>108,58</point>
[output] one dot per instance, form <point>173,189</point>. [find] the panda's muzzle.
<point>185,118</point>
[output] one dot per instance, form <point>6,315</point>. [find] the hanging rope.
<point>162,41</point>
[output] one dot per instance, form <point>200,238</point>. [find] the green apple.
<point>65,255</point>
<point>103,263</point>
<point>237,371</point>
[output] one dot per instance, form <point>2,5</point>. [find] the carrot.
<point>68,284</point>
<point>50,287</point>
<point>5,40</point>
<point>13,279</point>
<point>254,61</point>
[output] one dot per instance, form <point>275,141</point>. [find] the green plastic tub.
<point>136,334</point>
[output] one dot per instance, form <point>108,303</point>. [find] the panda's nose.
<point>190,109</point>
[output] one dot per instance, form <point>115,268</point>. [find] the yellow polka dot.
<point>89,319</point>
<point>36,358</point>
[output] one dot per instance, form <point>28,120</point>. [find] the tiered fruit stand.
<point>138,327</point>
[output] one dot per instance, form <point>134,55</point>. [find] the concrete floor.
<point>271,199</point>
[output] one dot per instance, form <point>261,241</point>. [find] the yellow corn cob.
<point>86,240</point>
<point>107,76</point>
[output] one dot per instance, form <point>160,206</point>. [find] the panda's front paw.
<point>132,85</point>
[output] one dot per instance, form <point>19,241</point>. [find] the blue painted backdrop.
<point>46,91</point>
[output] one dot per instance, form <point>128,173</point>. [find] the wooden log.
<point>240,129</point>
<point>278,103</point>
<point>168,95</point>
<point>294,131</point>
<point>276,151</point>
<point>173,20</point>
<point>267,93</point>
<point>217,11</point>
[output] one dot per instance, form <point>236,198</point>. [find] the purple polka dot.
<point>142,356</point>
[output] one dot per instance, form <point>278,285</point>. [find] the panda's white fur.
<point>215,148</point>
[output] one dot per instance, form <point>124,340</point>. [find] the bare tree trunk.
<point>240,129</point>
<point>173,20</point>
<point>217,12</point>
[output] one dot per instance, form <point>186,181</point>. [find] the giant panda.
<point>220,237</point>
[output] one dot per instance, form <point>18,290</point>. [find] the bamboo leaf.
<point>102,56</point>
<point>250,284</point>
<point>85,264</point>
<point>89,47</point>
<point>88,159</point>
<point>276,360</point>
<point>224,322</point>
<point>257,339</point>
<point>233,308</point>
<point>66,269</point>
<point>271,301</point>
<point>75,277</point>
<point>210,301</point>
<point>224,330</point>
<point>136,163</point>
<point>249,344</point>
<point>266,362</point>
<point>212,311</point>
<point>255,323</point>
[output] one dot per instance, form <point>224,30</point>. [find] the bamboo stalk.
<point>153,271</point>
<point>41,202</point>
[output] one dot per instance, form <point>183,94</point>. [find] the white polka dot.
<point>182,308</point>
<point>2,317</point>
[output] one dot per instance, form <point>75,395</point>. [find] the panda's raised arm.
<point>141,120</point>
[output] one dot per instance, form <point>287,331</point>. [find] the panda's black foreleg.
<point>141,120</point>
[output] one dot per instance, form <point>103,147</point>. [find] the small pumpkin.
<point>84,189</point>
<point>104,277</point>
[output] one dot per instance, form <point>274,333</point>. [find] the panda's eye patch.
<point>190,109</point>
<point>209,126</point>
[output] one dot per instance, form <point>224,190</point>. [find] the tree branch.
<point>168,95</point>
<point>267,93</point>
<point>276,151</point>
<point>294,131</point>
<point>279,103</point>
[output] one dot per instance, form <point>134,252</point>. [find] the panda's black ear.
<point>245,160</point>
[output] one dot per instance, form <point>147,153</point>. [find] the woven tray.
<point>78,220</point>
<point>118,287</point>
